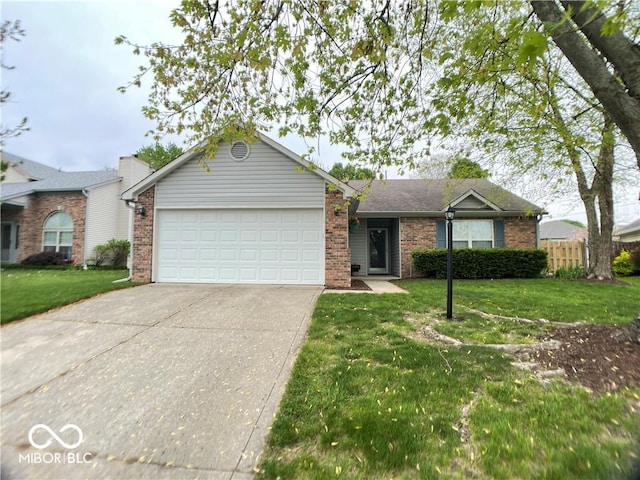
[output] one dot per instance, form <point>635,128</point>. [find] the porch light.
<point>449,214</point>
<point>141,211</point>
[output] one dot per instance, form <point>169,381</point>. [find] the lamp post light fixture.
<point>449,214</point>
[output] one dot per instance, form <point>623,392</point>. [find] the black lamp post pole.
<point>449,216</point>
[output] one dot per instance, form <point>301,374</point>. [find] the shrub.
<point>572,271</point>
<point>622,264</point>
<point>46,258</point>
<point>482,263</point>
<point>114,252</point>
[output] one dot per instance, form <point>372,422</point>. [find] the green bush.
<point>46,258</point>
<point>114,252</point>
<point>622,264</point>
<point>481,263</point>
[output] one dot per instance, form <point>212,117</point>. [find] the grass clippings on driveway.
<point>31,291</point>
<point>368,400</point>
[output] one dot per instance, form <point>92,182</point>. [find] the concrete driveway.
<point>158,381</point>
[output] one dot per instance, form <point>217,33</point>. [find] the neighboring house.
<point>561,231</point>
<point>630,232</point>
<point>261,214</point>
<point>46,209</point>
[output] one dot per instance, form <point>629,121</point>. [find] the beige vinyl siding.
<point>358,245</point>
<point>132,170</point>
<point>14,176</point>
<point>265,179</point>
<point>471,203</point>
<point>102,216</point>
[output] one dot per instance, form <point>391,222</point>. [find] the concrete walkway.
<point>158,381</point>
<point>376,286</point>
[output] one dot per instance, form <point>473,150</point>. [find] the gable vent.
<point>239,151</point>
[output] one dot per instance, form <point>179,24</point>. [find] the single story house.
<point>260,214</point>
<point>46,209</point>
<point>562,231</point>
<point>629,232</point>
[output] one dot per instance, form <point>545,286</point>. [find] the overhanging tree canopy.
<point>360,72</point>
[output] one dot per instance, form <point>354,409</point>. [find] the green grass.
<point>30,291</point>
<point>548,298</point>
<point>475,329</point>
<point>365,401</point>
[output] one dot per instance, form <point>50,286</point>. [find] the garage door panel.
<point>241,246</point>
<point>228,236</point>
<point>228,255</point>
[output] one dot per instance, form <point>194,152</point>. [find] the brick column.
<point>520,232</point>
<point>337,253</point>
<point>415,233</point>
<point>142,248</point>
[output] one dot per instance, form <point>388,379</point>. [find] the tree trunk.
<point>602,190</point>
<point>622,105</point>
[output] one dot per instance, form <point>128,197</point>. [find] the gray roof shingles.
<point>424,196</point>
<point>557,229</point>
<point>33,170</point>
<point>55,180</point>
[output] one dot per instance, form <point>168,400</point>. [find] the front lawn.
<point>370,397</point>
<point>25,292</point>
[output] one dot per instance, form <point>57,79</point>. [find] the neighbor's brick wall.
<point>415,233</point>
<point>337,252</point>
<point>39,207</point>
<point>520,232</point>
<point>142,249</point>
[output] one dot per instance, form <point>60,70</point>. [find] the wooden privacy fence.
<point>564,254</point>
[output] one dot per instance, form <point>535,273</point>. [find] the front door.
<point>378,250</point>
<point>7,238</point>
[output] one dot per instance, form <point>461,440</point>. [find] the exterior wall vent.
<point>239,151</point>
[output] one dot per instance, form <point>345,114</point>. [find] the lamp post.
<point>449,214</point>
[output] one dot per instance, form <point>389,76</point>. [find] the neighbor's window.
<point>58,234</point>
<point>472,234</point>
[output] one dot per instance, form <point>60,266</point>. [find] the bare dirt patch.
<point>593,356</point>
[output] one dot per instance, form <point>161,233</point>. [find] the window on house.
<point>58,234</point>
<point>472,234</point>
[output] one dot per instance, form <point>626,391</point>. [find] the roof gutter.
<point>440,213</point>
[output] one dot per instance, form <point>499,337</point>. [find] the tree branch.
<point>624,110</point>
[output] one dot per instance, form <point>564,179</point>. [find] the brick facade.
<point>142,248</point>
<point>39,207</point>
<point>337,253</point>
<point>521,232</point>
<point>415,233</point>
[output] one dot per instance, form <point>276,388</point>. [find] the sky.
<point>67,72</point>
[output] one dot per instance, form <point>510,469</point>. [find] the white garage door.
<point>241,246</point>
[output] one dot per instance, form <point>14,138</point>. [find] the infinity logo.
<point>56,437</point>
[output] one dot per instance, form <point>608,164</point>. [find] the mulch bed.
<point>590,355</point>
<point>355,285</point>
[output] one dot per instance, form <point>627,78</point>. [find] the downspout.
<point>129,203</point>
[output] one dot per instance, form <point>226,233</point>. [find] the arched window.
<point>58,234</point>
